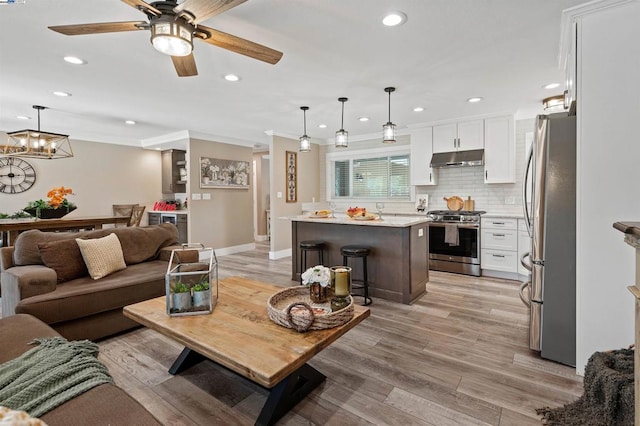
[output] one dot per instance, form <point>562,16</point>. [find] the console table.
<point>10,228</point>
<point>631,232</point>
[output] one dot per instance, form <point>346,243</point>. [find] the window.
<point>382,176</point>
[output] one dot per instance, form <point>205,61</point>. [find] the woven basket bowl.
<point>280,303</point>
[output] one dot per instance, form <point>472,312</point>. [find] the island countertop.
<point>387,221</point>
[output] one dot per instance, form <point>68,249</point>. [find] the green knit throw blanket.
<point>54,372</point>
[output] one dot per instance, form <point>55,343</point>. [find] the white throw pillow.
<point>102,256</point>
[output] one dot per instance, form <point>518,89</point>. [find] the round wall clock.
<point>16,175</point>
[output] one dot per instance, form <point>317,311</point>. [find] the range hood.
<point>458,159</point>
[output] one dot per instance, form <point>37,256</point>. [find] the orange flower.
<point>57,196</point>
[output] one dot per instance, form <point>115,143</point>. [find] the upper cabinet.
<point>421,153</point>
<point>499,150</point>
<point>462,136</point>
<point>174,171</point>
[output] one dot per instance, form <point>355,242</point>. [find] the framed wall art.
<point>292,176</point>
<point>216,173</point>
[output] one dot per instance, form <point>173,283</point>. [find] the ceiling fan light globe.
<point>172,46</point>
<point>172,38</point>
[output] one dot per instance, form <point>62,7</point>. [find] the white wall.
<point>99,174</point>
<point>608,176</point>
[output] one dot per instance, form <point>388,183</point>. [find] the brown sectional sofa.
<point>83,308</point>
<point>105,404</point>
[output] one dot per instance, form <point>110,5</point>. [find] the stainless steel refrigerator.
<point>551,221</point>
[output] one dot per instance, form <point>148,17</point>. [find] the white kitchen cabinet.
<point>524,246</point>
<point>499,244</point>
<point>462,136</point>
<point>421,153</point>
<point>499,150</point>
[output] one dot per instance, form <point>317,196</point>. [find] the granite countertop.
<point>388,221</point>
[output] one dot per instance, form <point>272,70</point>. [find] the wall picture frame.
<point>218,173</point>
<point>291,173</point>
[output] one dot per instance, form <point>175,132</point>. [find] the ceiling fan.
<point>173,27</point>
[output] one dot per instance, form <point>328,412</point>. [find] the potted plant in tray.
<point>56,207</point>
<point>202,293</point>
<point>181,297</point>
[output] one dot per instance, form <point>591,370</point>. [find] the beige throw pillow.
<point>102,256</point>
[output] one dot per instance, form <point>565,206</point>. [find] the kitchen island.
<point>398,266</point>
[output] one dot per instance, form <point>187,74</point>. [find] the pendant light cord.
<point>342,119</point>
<point>389,107</point>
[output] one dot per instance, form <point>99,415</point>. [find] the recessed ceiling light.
<point>63,94</point>
<point>474,100</point>
<point>363,118</point>
<point>158,149</point>
<point>130,122</point>
<point>418,109</point>
<point>394,18</point>
<point>23,117</point>
<point>231,77</point>
<point>322,126</point>
<point>75,61</point>
<point>551,86</point>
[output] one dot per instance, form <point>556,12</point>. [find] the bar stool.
<point>307,246</point>
<point>356,251</point>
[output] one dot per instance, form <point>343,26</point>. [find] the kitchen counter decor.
<point>318,279</point>
<point>293,308</point>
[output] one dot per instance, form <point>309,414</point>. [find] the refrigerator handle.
<point>525,300</point>
<point>525,186</point>
<point>526,265</point>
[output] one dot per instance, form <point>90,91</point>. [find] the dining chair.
<point>136,215</point>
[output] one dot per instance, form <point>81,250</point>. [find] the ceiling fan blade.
<point>143,6</point>
<point>98,28</point>
<point>185,65</point>
<point>205,9</point>
<point>240,45</point>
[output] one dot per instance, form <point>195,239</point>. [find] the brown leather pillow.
<point>64,257</point>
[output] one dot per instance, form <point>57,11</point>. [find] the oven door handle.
<point>459,225</point>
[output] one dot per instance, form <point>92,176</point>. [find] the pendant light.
<point>305,141</point>
<point>342,136</point>
<point>389,129</point>
<point>37,143</point>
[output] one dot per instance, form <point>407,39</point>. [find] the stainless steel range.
<point>454,241</point>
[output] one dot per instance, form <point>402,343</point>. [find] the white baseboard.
<point>261,237</point>
<point>235,249</point>
<point>275,255</point>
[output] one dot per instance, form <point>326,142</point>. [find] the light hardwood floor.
<point>458,356</point>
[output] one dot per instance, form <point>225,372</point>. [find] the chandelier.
<point>36,143</point>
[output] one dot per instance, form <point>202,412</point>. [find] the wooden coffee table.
<point>240,336</point>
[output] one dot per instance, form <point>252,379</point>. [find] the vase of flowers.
<point>55,207</point>
<point>318,278</point>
